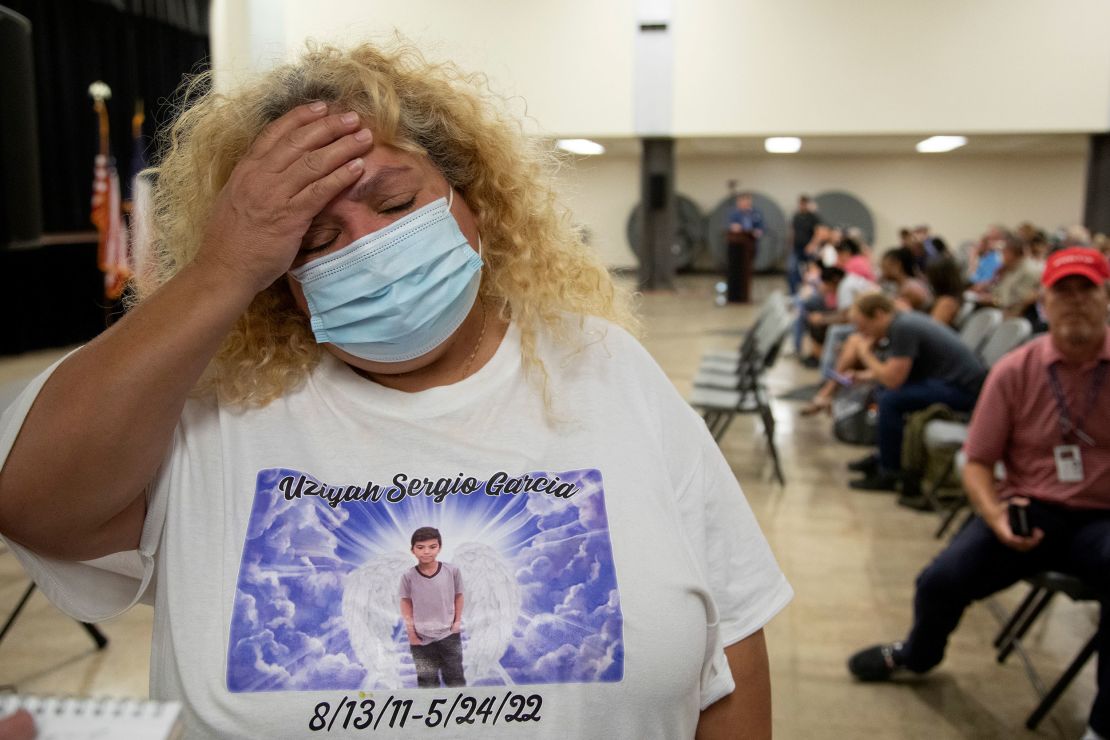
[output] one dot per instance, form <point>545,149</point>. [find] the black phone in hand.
<point>1019,520</point>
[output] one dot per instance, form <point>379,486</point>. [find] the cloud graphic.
<point>330,670</point>
<point>287,629</point>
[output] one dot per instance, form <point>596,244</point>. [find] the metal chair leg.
<point>1007,645</point>
<point>930,492</point>
<point>1059,687</point>
<point>948,519</point>
<point>96,635</point>
<point>714,419</point>
<point>1017,616</point>
<point>726,422</point>
<point>768,420</point>
<point>15,612</point>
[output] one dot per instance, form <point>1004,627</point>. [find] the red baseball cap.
<point>1076,261</point>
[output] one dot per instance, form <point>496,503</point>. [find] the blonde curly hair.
<point>536,267</point>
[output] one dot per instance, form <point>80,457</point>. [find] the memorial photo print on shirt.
<point>318,597</point>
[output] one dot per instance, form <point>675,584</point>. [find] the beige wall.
<point>891,66</point>
<point>600,193</point>
<point>745,67</point>
<point>957,195</point>
<point>741,67</point>
<point>567,64</point>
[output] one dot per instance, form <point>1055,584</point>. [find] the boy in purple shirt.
<point>431,607</point>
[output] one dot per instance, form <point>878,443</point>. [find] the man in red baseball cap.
<point>1045,413</point>
<point>1076,261</point>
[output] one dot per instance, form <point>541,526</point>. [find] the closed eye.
<point>316,247</point>
<point>400,208</point>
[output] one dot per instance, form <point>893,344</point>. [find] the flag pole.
<point>106,207</point>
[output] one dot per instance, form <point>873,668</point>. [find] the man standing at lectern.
<point>745,226</point>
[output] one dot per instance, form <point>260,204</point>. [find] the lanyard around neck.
<point>1068,426</point>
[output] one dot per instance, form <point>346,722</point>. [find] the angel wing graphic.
<point>371,610</point>
<point>491,604</point>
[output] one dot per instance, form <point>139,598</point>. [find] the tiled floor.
<point>851,557</point>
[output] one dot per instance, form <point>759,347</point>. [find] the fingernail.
<point>363,135</point>
<point>355,164</point>
<point>349,117</point>
<point>318,107</point>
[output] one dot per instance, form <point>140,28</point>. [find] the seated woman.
<point>369,315</point>
<point>947,286</point>
<point>848,369</point>
<point>853,261</point>
<point>897,272</point>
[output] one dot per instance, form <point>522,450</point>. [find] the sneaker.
<point>878,481</point>
<point>865,465</point>
<point>876,663</point>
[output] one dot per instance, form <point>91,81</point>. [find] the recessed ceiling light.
<point>580,146</point>
<point>935,144</point>
<point>783,144</point>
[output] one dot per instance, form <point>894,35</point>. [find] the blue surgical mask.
<point>397,293</point>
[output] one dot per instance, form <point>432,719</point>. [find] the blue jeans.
<point>894,403</point>
<point>793,271</point>
<point>801,326</point>
<point>835,339</point>
<point>975,565</point>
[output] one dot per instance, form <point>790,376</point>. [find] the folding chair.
<point>966,309</point>
<point>756,354</point>
<point>729,360</point>
<point>743,392</point>
<point>1007,336</point>
<point>978,327</point>
<point>1043,588</point>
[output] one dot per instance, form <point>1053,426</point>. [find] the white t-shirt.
<point>851,287</point>
<point>608,556</point>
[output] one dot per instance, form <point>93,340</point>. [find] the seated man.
<point>1045,413</point>
<point>840,288</point>
<point>1014,287</point>
<point>926,363</point>
<point>987,257</point>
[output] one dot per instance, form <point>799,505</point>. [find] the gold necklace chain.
<point>477,345</point>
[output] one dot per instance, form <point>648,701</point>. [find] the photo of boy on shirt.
<point>431,608</point>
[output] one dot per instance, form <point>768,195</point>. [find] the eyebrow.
<point>375,182</point>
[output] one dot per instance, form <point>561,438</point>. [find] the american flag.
<point>106,216</point>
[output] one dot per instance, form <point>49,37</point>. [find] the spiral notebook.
<point>67,718</point>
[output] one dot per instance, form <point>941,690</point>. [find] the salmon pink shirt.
<point>1017,421</point>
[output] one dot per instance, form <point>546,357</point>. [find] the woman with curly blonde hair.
<point>364,310</point>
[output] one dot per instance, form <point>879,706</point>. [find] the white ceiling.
<point>840,146</point>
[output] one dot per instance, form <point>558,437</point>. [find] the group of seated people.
<point>1042,411</point>
<point>1044,414</point>
<point>867,331</point>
